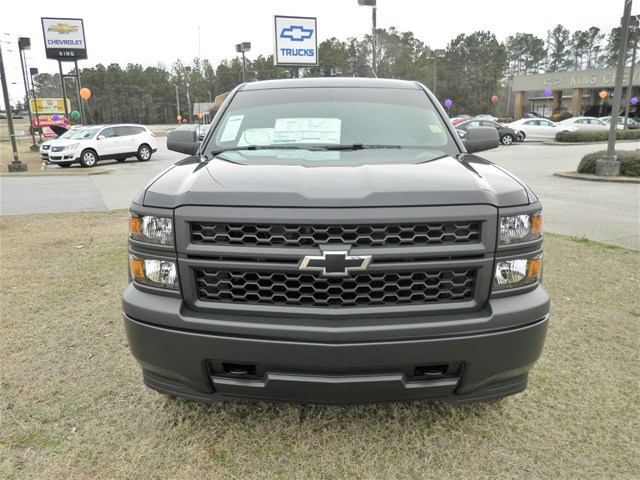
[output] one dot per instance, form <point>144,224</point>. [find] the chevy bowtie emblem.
<point>337,263</point>
<point>63,28</point>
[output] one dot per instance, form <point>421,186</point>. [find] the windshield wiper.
<point>311,147</point>
<point>355,146</point>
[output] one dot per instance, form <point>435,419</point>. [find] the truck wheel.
<point>144,153</point>
<point>88,159</point>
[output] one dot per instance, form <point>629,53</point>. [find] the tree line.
<point>471,70</point>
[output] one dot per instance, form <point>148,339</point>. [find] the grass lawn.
<point>73,406</point>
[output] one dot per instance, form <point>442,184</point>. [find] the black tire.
<point>89,158</point>
<point>521,137</point>
<point>507,139</point>
<point>144,153</point>
<point>64,164</point>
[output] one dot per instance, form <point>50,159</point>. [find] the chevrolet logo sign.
<point>64,28</point>
<point>336,263</point>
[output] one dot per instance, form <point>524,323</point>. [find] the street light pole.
<point>374,30</point>
<point>34,71</point>
<point>24,43</point>
<point>187,74</point>
<point>241,48</point>
<point>435,54</point>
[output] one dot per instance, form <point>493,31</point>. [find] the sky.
<point>152,33</point>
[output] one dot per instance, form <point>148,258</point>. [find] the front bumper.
<point>339,367</point>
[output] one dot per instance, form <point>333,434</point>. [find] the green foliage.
<point>472,70</point>
<point>573,137</point>
<point>629,162</point>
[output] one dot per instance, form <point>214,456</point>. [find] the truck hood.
<point>445,181</point>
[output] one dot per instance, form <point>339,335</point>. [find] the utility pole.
<point>16,165</point>
<point>609,165</point>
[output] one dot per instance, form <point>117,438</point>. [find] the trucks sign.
<point>296,41</point>
<point>64,39</point>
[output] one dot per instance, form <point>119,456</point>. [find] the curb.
<point>594,178</point>
<point>61,173</point>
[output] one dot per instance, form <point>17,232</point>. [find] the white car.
<point>586,124</point>
<point>102,142</point>
<point>631,123</point>
<point>539,129</point>
<point>46,146</point>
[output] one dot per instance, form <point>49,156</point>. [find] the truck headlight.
<point>73,146</point>
<point>151,229</point>
<point>517,273</point>
<point>520,228</point>
<point>154,272</point>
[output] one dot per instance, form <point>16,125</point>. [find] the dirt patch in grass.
<point>73,406</point>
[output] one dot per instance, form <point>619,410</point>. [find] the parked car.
<point>104,142</point>
<point>507,135</point>
<point>459,119</point>
<point>63,134</point>
<point>631,123</point>
<point>539,129</point>
<point>585,124</point>
<point>203,129</point>
<point>484,116</point>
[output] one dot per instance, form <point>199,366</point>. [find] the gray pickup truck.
<point>333,240</point>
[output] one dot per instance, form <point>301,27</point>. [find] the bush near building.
<point>597,136</point>
<point>629,162</point>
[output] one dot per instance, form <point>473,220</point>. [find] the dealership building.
<point>578,92</point>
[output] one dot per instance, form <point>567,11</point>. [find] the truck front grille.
<point>280,235</point>
<point>365,289</point>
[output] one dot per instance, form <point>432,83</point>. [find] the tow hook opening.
<point>239,369</point>
<point>437,371</point>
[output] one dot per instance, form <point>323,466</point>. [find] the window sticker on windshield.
<point>230,131</point>
<point>435,128</point>
<point>307,130</point>
<point>256,136</point>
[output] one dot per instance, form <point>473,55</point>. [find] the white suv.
<point>102,142</point>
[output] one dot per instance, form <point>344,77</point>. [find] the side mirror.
<point>101,137</point>
<point>481,138</point>
<point>183,141</point>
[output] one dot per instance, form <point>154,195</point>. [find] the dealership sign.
<point>296,41</point>
<point>49,106</point>
<point>64,39</point>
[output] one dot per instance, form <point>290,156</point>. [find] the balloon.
<point>75,115</point>
<point>448,103</point>
<point>68,127</point>
<point>495,99</point>
<point>548,92</point>
<point>634,100</point>
<point>603,94</point>
<point>179,118</point>
<point>55,118</point>
<point>85,93</point>
<point>200,116</point>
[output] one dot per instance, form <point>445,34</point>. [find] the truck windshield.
<point>320,125</point>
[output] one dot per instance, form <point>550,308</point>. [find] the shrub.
<point>629,162</point>
<point>597,136</point>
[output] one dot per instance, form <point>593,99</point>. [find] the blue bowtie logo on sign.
<point>296,33</point>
